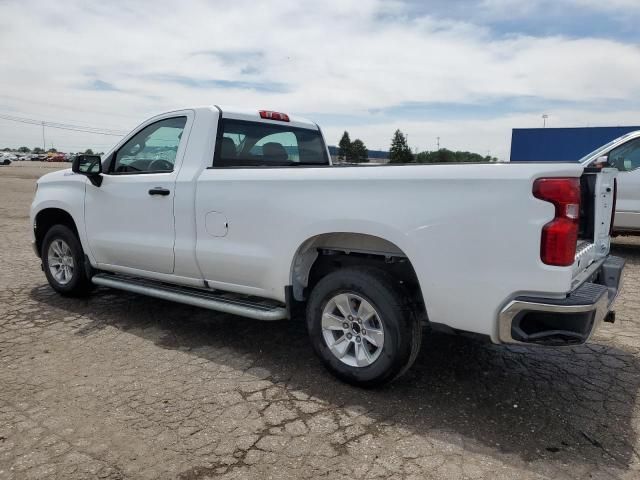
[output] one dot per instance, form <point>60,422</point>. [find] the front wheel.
<point>361,327</point>
<point>63,262</point>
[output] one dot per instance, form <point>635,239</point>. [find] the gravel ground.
<point>122,386</point>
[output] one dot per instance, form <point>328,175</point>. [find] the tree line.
<point>399,152</point>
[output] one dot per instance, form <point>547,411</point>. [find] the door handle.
<point>159,191</point>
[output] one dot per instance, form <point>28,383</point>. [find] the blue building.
<point>560,144</point>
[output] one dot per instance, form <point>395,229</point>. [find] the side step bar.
<point>213,300</point>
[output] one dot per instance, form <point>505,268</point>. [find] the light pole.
<point>438,142</point>
<point>44,145</point>
<point>544,120</point>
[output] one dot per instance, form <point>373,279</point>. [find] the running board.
<point>235,304</point>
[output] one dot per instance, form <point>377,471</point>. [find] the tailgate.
<point>596,208</point>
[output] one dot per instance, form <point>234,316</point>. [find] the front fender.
<point>66,194</point>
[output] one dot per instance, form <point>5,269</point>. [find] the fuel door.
<point>216,224</point>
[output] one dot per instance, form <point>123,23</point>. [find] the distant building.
<point>560,144</point>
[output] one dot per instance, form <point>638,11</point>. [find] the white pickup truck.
<point>242,212</point>
<point>623,153</point>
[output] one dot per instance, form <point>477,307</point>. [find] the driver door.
<point>626,158</point>
<point>130,217</point>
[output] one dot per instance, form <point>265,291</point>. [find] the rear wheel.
<point>63,262</point>
<point>361,327</point>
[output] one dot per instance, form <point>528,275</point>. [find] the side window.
<point>152,150</point>
<point>626,157</point>
<point>261,144</point>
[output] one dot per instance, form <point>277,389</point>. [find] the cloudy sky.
<point>465,71</point>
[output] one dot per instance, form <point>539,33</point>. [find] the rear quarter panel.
<point>471,232</point>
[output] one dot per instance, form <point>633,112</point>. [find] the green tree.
<point>423,157</point>
<point>52,150</point>
<point>37,150</point>
<point>440,156</point>
<point>400,151</point>
<point>344,147</point>
<point>359,151</point>
<point>88,151</point>
<point>447,156</point>
<point>24,149</point>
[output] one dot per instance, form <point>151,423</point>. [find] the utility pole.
<point>544,120</point>
<point>44,145</point>
<point>438,142</point>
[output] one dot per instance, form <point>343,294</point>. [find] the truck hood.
<point>58,176</point>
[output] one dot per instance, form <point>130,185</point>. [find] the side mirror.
<point>89,166</point>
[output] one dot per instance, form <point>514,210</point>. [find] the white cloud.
<point>616,5</point>
<point>520,8</point>
<point>336,57</point>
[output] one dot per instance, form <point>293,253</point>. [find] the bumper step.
<point>569,320</point>
<point>585,294</point>
<point>236,304</point>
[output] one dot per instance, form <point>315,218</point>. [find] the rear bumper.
<point>563,321</point>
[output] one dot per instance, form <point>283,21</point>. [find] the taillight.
<point>282,117</point>
<point>613,206</point>
<point>560,235</point>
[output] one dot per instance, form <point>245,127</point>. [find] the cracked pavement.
<point>121,386</point>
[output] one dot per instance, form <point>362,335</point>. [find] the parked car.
<point>242,212</point>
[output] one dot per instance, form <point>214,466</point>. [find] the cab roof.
<point>253,115</point>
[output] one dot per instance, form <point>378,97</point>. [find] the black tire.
<point>402,329</point>
<point>80,284</point>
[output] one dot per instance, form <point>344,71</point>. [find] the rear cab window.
<point>243,143</point>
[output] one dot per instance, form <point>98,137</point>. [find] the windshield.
<point>596,153</point>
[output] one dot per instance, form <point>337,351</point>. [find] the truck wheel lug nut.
<point>345,325</point>
<point>358,339</point>
<point>350,318</point>
<point>349,336</point>
<point>364,332</point>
